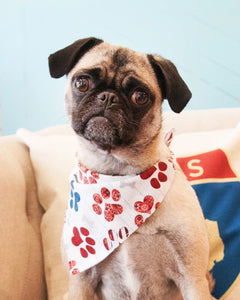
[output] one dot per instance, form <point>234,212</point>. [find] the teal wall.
<point>201,37</point>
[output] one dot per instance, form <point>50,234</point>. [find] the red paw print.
<point>139,220</point>
<point>115,236</point>
<point>161,177</point>
<point>81,237</point>
<point>71,265</point>
<point>144,206</point>
<point>86,176</point>
<point>110,209</point>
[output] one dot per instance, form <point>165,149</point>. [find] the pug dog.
<point>113,100</point>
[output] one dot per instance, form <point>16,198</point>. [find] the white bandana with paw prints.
<point>105,210</point>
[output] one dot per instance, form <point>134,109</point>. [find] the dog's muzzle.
<point>101,131</point>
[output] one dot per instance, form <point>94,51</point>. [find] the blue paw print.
<point>75,198</point>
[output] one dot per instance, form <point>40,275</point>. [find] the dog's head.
<point>114,94</point>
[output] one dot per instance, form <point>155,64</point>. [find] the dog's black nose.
<point>108,98</point>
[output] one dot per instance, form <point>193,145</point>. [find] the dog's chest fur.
<point>125,275</point>
<point>118,273</point>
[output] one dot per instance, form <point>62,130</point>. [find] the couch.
<point>34,189</point>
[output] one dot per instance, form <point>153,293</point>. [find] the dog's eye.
<point>83,84</point>
<point>140,97</point>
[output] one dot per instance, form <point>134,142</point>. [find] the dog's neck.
<point>121,161</point>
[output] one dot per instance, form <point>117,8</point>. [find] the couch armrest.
<point>21,259</point>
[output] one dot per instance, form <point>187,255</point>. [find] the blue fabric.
<point>221,203</point>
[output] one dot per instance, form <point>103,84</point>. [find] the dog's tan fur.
<point>122,160</point>
<point>167,257</point>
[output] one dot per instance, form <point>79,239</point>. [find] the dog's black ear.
<point>62,61</point>
<point>173,88</point>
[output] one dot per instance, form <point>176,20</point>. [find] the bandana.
<point>104,210</point>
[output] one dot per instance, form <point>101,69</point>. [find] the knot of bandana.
<point>103,211</point>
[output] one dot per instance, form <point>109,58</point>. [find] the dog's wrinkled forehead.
<point>116,61</point>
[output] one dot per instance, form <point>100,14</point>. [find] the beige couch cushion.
<point>22,274</point>
<point>53,157</point>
